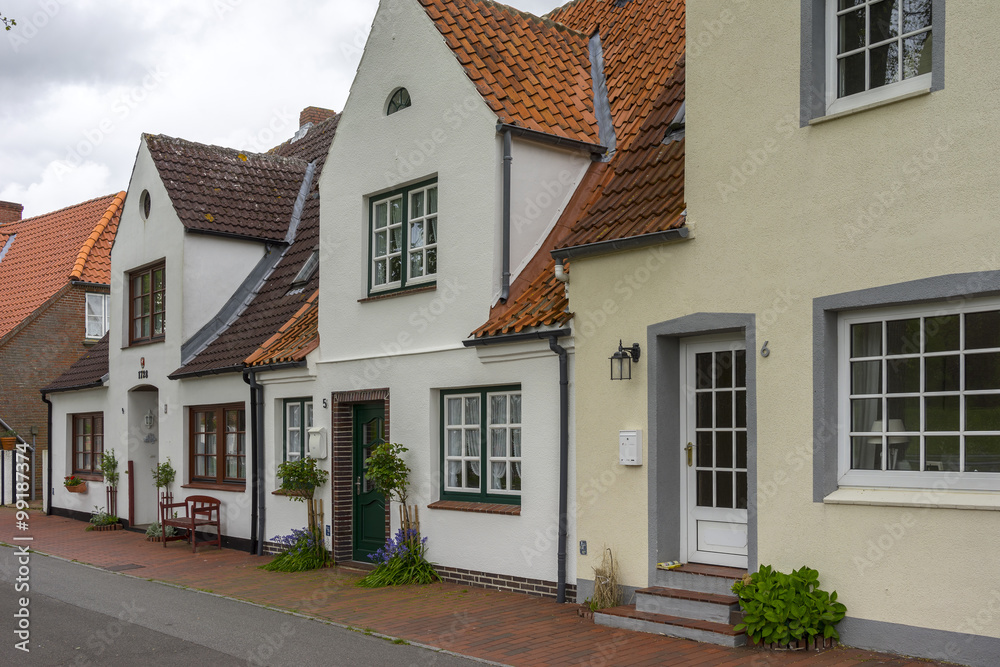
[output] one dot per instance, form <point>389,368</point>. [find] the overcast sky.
<point>80,80</point>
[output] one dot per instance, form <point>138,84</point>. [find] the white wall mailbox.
<point>630,448</point>
<point>316,442</point>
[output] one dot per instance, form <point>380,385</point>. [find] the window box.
<point>77,488</point>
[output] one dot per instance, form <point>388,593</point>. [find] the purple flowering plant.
<point>400,561</point>
<point>304,550</point>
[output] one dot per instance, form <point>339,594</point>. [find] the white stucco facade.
<point>411,344</point>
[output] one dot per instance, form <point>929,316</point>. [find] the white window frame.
<point>100,303</point>
<point>406,226</point>
<point>508,428</point>
<point>306,418</point>
<point>916,479</point>
<point>901,88</point>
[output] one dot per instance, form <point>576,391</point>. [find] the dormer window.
<point>400,99</point>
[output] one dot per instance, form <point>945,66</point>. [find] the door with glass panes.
<point>714,452</point>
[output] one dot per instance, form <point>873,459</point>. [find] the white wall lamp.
<point>149,419</point>
<point>621,361</point>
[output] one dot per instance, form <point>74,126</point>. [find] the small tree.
<point>163,476</point>
<point>299,480</point>
<point>109,467</point>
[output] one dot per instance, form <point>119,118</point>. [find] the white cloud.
<point>80,82</point>
<point>60,186</point>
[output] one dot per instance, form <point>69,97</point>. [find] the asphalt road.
<point>79,615</point>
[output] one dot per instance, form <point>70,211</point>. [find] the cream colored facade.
<point>781,215</point>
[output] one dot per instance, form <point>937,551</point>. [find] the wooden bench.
<point>199,512</point>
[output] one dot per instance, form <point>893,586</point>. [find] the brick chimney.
<point>10,212</point>
<point>315,115</point>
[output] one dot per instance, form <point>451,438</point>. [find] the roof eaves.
<point>619,244</point>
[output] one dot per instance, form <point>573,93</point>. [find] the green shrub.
<point>101,518</point>
<point>154,530</point>
<point>301,476</point>
<point>782,608</point>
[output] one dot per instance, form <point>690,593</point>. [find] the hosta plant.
<point>783,608</point>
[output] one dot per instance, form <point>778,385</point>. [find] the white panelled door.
<point>714,452</point>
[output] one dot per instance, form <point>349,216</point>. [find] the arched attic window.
<point>400,99</point>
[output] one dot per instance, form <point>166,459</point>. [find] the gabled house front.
<point>54,284</point>
<point>212,241</point>
<point>817,382</point>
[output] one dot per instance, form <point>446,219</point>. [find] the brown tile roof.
<point>275,303</point>
<point>86,371</point>
<point>294,340</point>
<point>226,191</point>
<point>641,190</point>
<point>50,250</point>
<point>532,72</point>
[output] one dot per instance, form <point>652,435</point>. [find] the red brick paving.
<point>510,628</point>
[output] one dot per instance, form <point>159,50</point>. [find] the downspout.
<point>48,465</point>
<point>507,159</point>
<point>563,465</point>
<point>257,445</point>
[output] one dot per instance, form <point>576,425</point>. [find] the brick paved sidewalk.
<point>508,628</point>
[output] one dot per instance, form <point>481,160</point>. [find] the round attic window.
<point>144,204</point>
<point>400,99</point>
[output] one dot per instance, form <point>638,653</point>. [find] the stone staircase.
<point>694,602</point>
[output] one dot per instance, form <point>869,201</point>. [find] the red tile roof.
<point>48,251</point>
<point>532,72</point>
<point>226,191</point>
<point>641,190</point>
<point>294,340</point>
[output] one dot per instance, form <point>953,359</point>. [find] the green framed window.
<point>404,238</point>
<point>481,444</point>
<point>297,421</point>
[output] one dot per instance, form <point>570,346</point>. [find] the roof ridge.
<point>236,151</point>
<point>335,118</point>
<point>58,210</point>
<point>102,224</point>
<point>552,23</point>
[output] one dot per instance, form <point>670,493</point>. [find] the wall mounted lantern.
<point>621,361</point>
<point>149,419</point>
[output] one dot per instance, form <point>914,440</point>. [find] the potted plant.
<point>8,439</point>
<point>300,478</point>
<point>102,520</point>
<point>109,467</point>
<point>74,484</point>
<point>163,477</point>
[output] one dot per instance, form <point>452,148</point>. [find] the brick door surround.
<point>342,418</point>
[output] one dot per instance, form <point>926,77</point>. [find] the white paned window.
<point>505,442</point>
<point>97,314</point>
<point>877,49</point>
<point>298,420</point>
<point>481,444</point>
<point>920,396</point>
<point>404,233</point>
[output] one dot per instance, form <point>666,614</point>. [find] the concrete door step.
<point>701,578</point>
<point>629,618</point>
<point>712,607</point>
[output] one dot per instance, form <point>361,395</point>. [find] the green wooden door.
<point>369,504</point>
